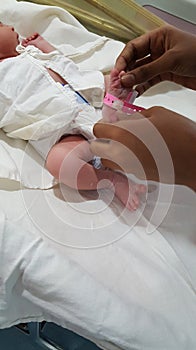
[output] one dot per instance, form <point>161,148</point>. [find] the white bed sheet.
<point>85,262</point>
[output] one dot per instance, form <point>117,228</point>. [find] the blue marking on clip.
<point>81,98</point>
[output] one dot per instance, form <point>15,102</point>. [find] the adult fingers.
<point>148,71</point>
<point>141,88</point>
<point>117,156</point>
<point>127,147</point>
<point>136,146</point>
<point>134,50</point>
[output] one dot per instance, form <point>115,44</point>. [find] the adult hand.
<point>166,53</point>
<point>158,145</point>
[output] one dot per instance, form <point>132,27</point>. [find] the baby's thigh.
<point>66,153</point>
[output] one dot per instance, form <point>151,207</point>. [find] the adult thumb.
<point>101,147</point>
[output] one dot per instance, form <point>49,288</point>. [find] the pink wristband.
<point>114,102</point>
<point>129,107</point>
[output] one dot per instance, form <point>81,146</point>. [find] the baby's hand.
<point>116,87</point>
<point>32,40</point>
<point>113,87</point>
<point>38,41</point>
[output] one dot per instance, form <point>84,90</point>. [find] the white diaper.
<point>86,117</point>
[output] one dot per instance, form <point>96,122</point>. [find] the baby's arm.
<point>42,44</point>
<point>113,87</point>
<point>68,161</point>
<point>39,42</point>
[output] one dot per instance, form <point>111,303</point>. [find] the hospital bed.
<point>122,280</point>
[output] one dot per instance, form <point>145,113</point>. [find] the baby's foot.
<point>127,191</point>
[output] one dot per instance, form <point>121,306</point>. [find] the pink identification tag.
<point>125,106</point>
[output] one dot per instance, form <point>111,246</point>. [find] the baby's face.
<point>8,41</point>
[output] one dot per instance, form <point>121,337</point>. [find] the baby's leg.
<point>69,161</point>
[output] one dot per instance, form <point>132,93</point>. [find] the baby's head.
<point>8,41</point>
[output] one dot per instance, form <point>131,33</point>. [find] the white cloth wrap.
<point>40,109</point>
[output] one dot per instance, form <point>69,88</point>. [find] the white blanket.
<point>85,262</point>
